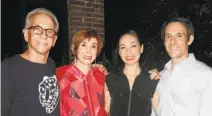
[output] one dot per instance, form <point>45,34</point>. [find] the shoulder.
<point>201,73</point>
<point>60,71</point>
<point>97,72</point>
<point>61,68</point>
<point>99,76</point>
<point>144,78</point>
<point>201,68</point>
<point>51,61</point>
<point>11,61</point>
<point>8,66</point>
<point>114,76</point>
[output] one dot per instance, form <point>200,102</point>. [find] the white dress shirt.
<point>186,90</point>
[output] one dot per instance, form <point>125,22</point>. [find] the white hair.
<point>42,11</point>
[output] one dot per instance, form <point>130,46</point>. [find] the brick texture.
<point>85,14</point>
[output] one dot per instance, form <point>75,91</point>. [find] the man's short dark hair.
<point>184,21</point>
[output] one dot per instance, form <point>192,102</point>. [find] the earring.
<point>75,60</point>
<point>95,61</point>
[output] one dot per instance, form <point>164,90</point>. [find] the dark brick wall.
<point>85,14</point>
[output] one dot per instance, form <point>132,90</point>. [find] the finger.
<point>153,70</point>
<point>94,65</point>
<point>150,71</point>
<point>157,77</point>
<point>153,75</point>
<point>102,68</point>
<point>107,73</point>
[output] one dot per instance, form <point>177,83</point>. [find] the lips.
<point>173,49</point>
<point>87,57</point>
<point>43,44</point>
<point>129,58</point>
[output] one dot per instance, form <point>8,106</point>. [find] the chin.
<point>87,63</point>
<point>174,56</point>
<point>130,63</point>
<point>171,54</point>
<point>42,51</point>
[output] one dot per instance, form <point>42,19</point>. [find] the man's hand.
<point>101,68</point>
<point>154,74</point>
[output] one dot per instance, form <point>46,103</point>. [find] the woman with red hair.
<point>81,85</point>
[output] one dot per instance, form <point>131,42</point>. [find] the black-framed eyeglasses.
<point>39,30</point>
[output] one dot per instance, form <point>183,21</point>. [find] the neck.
<point>82,67</point>
<point>35,57</point>
<point>175,61</point>
<point>132,69</point>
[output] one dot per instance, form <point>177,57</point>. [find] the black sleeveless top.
<point>130,103</point>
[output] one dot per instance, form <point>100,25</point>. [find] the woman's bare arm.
<point>107,99</point>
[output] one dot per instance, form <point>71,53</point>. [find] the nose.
<point>173,40</point>
<point>44,35</point>
<point>88,49</point>
<point>129,51</point>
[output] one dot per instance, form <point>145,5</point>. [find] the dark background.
<point>13,19</point>
<point>144,16</point>
<point>147,16</point>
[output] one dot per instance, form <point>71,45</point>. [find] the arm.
<point>156,96</point>
<point>7,90</point>
<point>155,101</point>
<point>206,99</point>
<point>153,113</point>
<point>107,99</point>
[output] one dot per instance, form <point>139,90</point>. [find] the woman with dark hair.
<point>129,90</point>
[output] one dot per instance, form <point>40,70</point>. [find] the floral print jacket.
<point>80,94</point>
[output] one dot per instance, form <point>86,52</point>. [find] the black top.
<point>130,103</point>
<point>28,88</point>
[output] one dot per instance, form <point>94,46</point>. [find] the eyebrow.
<point>131,43</point>
<point>94,43</point>
<point>167,34</point>
<point>87,42</point>
<point>84,41</point>
<point>121,45</point>
<point>179,33</point>
<point>176,33</point>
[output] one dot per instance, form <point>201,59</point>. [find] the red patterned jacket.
<point>81,95</point>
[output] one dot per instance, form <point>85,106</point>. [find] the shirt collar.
<point>187,62</point>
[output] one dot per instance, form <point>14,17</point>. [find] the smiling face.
<point>40,44</point>
<point>130,49</point>
<point>87,51</point>
<point>177,41</point>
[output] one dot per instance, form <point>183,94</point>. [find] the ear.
<point>55,39</point>
<point>191,39</point>
<point>142,48</point>
<point>26,34</point>
<point>118,51</point>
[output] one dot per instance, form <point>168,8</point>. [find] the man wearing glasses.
<point>29,85</point>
